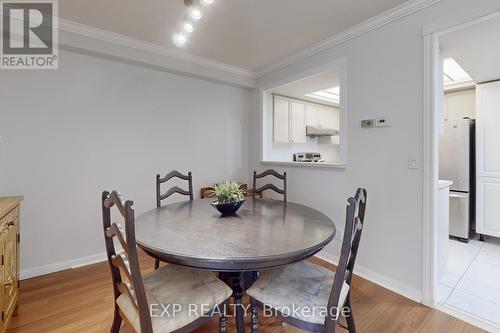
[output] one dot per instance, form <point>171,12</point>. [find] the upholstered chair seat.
<point>192,291</point>
<point>301,286</point>
<point>308,296</point>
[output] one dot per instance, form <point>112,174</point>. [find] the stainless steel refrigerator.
<point>457,163</point>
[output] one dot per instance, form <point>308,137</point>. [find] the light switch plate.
<point>412,162</point>
<point>382,122</point>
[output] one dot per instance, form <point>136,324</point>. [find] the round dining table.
<point>263,234</point>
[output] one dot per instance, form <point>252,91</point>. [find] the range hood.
<point>320,131</point>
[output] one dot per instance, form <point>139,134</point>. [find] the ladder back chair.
<point>175,189</point>
<point>136,296</point>
<point>305,286</point>
<point>270,172</point>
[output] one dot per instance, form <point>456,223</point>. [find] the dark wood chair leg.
<point>350,319</point>
<point>157,264</point>
<point>117,321</point>
<point>223,319</point>
<point>255,319</point>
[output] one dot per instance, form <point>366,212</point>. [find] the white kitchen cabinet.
<point>488,158</point>
<point>289,121</point>
<point>311,115</point>
<point>281,120</point>
<point>487,129</point>
<point>297,122</point>
<point>328,117</point>
<point>488,214</point>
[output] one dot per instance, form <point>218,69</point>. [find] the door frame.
<point>432,104</point>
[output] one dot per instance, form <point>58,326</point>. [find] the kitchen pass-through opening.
<point>303,120</point>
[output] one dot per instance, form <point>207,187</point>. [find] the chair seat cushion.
<point>200,291</point>
<point>304,287</point>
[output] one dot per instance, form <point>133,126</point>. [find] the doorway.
<point>461,88</point>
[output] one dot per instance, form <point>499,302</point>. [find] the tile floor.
<point>471,285</point>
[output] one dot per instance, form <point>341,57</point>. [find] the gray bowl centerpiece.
<point>229,196</point>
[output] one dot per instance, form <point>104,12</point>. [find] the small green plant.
<point>228,191</point>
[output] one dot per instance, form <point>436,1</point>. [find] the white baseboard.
<point>61,266</point>
<point>377,278</point>
<point>326,255</point>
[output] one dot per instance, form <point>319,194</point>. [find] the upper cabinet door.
<point>281,120</point>
<point>298,122</point>
<point>488,129</point>
<point>326,117</point>
<point>311,115</point>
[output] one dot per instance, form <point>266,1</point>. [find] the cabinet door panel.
<point>487,129</point>
<point>10,271</point>
<point>311,115</point>
<point>487,212</point>
<point>298,122</point>
<point>328,117</point>
<point>281,121</point>
<point>2,285</point>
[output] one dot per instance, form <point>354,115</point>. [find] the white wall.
<point>384,78</point>
<point>94,124</point>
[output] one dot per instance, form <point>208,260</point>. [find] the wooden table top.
<point>264,234</point>
<point>9,203</point>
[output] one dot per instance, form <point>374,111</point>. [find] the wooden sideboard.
<point>9,257</point>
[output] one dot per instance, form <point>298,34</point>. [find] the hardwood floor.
<point>80,300</point>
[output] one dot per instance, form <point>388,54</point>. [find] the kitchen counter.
<point>444,183</point>
<point>308,164</point>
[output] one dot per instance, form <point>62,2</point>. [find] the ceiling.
<point>251,34</point>
<point>476,48</point>
<point>299,89</point>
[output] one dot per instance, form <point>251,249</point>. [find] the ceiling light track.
<point>194,14</point>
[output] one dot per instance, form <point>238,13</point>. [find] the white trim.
<point>429,293</point>
<point>115,38</point>
<point>373,23</point>
<point>264,89</point>
<point>431,110</point>
<point>460,86</point>
<point>79,37</point>
<point>130,42</point>
<point>379,279</point>
<point>61,266</point>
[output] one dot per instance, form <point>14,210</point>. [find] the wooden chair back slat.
<point>360,197</point>
<point>116,230</point>
<point>174,189</point>
<point>271,187</point>
<point>271,172</point>
<point>120,260</point>
<point>126,262</point>
<point>126,288</point>
<point>115,199</point>
<point>355,213</point>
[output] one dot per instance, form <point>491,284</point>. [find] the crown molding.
<point>373,23</point>
<point>111,37</point>
<point>86,39</point>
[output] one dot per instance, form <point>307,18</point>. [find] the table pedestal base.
<point>239,282</point>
